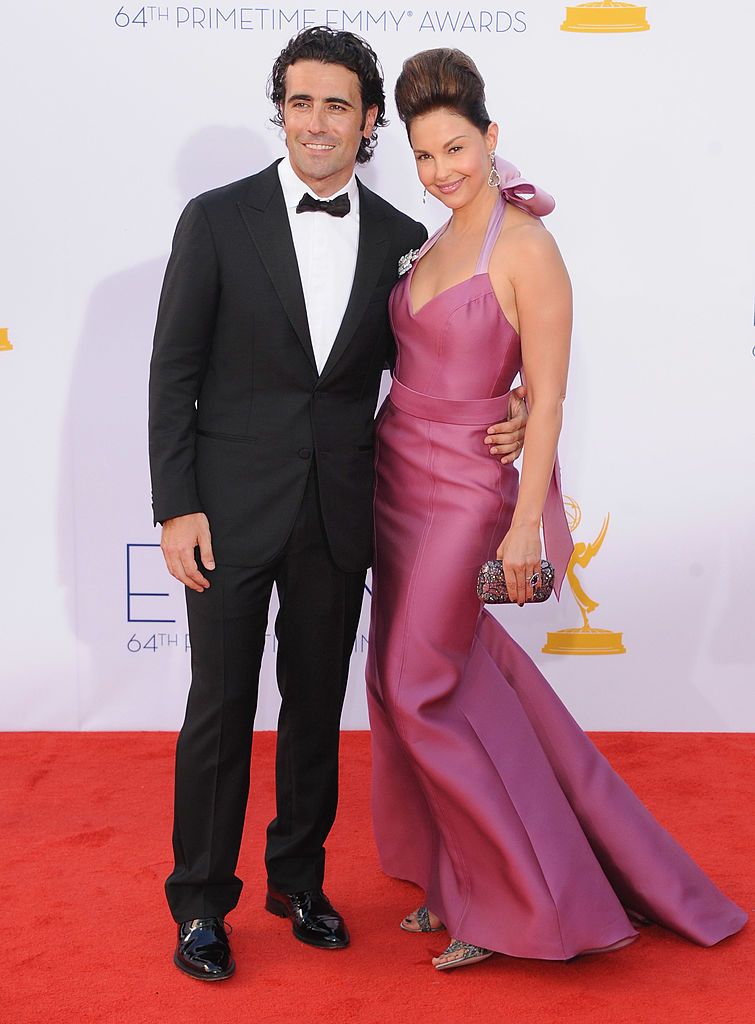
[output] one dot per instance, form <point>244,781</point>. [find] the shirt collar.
<point>294,188</point>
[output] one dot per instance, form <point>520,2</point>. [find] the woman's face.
<point>453,155</point>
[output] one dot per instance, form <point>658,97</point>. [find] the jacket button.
<point>305,453</point>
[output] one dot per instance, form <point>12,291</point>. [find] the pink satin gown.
<point>487,793</point>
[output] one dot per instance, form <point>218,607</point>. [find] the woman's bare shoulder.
<point>521,228</point>
<point>523,239</point>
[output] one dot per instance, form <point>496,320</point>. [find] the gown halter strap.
<point>520,192</point>
<point>495,223</point>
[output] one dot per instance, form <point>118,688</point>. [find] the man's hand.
<point>179,538</point>
<point>506,439</point>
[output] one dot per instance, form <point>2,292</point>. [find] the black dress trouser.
<point>315,628</point>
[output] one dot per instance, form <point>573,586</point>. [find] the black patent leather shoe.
<point>203,950</point>
<point>313,919</point>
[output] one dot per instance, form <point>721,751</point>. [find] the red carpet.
<point>85,824</point>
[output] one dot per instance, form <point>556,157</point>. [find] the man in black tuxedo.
<point>271,338</point>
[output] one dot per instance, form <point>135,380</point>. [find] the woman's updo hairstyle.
<point>441,78</point>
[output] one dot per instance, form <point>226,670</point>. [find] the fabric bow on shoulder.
<point>522,193</point>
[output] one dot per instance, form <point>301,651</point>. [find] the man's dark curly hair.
<point>331,47</point>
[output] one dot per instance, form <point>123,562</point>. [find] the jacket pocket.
<point>218,436</point>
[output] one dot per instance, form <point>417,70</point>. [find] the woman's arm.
<point>544,308</point>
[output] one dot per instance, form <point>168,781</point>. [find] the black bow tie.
<point>337,207</point>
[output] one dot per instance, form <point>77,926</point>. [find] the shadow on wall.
<point>104,474</point>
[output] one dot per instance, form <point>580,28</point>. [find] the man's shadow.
<point>104,475</point>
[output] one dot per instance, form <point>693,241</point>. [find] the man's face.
<point>322,119</point>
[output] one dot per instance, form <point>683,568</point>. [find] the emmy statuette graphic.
<point>5,345</point>
<point>607,16</point>
<point>584,639</point>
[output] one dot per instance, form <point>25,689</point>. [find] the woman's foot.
<point>422,920</point>
<point>459,954</point>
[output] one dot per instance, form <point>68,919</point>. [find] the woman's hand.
<point>520,552</point>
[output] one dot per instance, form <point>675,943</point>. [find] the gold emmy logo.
<point>5,345</point>
<point>605,17</point>
<point>584,639</point>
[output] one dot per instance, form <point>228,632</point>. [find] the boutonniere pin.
<point>405,263</point>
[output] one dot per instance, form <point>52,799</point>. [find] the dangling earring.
<point>424,196</point>
<point>494,178</point>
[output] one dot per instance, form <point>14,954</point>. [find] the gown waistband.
<point>474,412</point>
<point>483,412</point>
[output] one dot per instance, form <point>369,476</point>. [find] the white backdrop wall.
<point>113,116</point>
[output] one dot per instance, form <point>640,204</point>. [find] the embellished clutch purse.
<point>491,584</point>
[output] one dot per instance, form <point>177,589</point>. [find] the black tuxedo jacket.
<point>237,408</point>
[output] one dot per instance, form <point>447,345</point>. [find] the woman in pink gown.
<point>487,794</point>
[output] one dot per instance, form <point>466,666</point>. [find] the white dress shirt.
<point>326,251</point>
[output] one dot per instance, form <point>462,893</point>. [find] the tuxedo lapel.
<point>266,219</point>
<point>373,246</point>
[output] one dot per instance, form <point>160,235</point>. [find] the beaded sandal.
<point>469,955</point>
<point>422,917</point>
